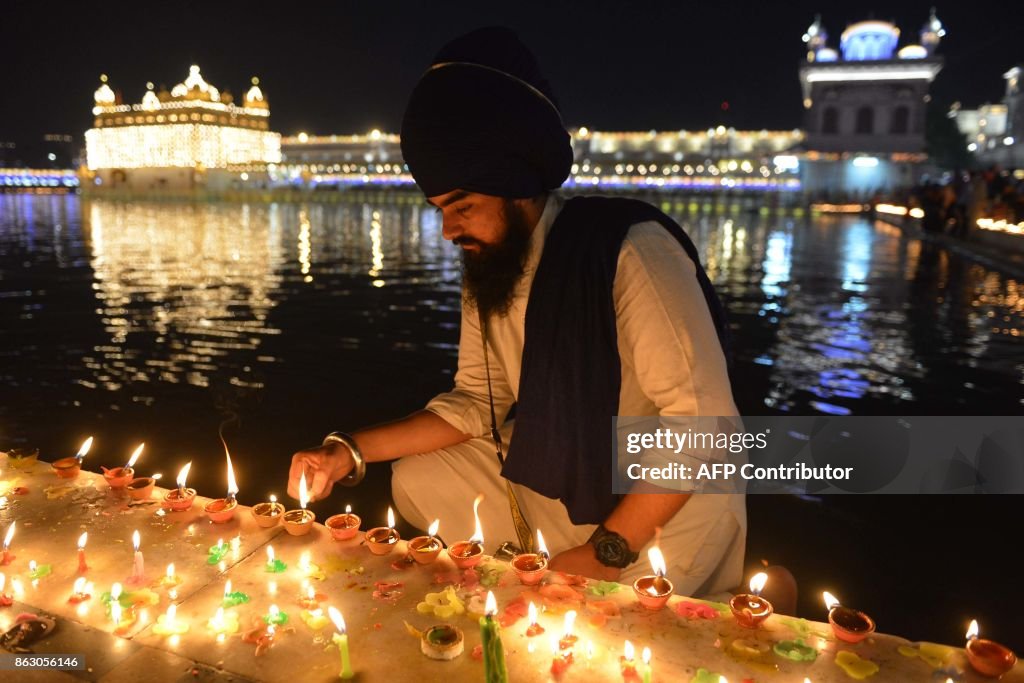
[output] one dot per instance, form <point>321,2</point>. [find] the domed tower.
<point>254,98</point>
<point>931,33</point>
<point>104,96</point>
<point>865,107</point>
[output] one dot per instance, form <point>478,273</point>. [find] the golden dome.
<point>254,96</point>
<point>195,88</point>
<point>104,95</point>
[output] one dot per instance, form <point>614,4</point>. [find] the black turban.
<point>484,119</point>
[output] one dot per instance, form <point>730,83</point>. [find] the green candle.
<point>490,637</point>
<point>341,640</point>
<point>647,664</point>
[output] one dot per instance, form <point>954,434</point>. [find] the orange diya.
<point>654,590</point>
<point>849,625</point>
<point>300,522</point>
<point>119,477</point>
<point>68,468</point>
<point>531,567</point>
<point>382,540</point>
<point>223,509</point>
<point>750,609</point>
<point>466,554</point>
<point>344,526</point>
<point>988,657</point>
<point>142,488</point>
<point>425,549</point>
<point>268,514</point>
<point>181,498</point>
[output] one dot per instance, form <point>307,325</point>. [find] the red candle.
<point>7,545</point>
<point>82,566</point>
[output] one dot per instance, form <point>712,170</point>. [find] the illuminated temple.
<point>193,137</point>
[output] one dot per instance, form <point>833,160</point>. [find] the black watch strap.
<point>611,549</point>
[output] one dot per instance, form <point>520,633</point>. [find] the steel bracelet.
<point>359,465</point>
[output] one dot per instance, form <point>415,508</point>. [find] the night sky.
<point>347,66</point>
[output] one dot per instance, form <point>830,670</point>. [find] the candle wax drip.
<point>276,566</point>
<point>235,598</point>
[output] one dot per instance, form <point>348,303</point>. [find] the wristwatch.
<point>611,549</point>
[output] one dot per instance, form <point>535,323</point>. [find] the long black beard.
<point>491,274</point>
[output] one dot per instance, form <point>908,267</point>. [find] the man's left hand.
<point>582,560</point>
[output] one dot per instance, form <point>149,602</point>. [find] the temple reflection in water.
<point>308,315</point>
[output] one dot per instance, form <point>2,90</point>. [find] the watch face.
<point>612,550</point>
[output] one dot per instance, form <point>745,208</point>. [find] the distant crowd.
<point>956,206</point>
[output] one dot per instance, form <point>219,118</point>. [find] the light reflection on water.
<point>110,304</point>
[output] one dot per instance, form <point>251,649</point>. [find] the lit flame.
<point>348,509</point>
<point>830,600</point>
<point>156,476</point>
<point>172,612</point>
<point>273,499</point>
<point>570,621</point>
<point>115,592</point>
<point>339,621</point>
<point>82,540</point>
<point>757,583</point>
<point>533,614</point>
<point>136,540</point>
<point>170,571</point>
<point>590,649</point>
<point>555,646</point>
<point>270,554</point>
<point>491,606</point>
<point>304,561</point>
<point>478,532</point>
<point>628,651</point>
<point>9,536</point>
<point>542,548</point>
<point>32,566</point>
<point>182,476</point>
<point>79,585</point>
<point>135,456</point>
<point>646,656</point>
<point>232,485</point>
<point>303,493</point>
<point>84,450</point>
<point>972,630</point>
<point>310,593</point>
<point>115,612</point>
<point>227,588</point>
<point>657,560</point>
<point>434,526</point>
<point>391,518</point>
<point>274,612</point>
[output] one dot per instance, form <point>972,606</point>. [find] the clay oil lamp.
<point>849,625</point>
<point>425,549</point>
<point>466,554</point>
<point>68,468</point>
<point>750,609</point>
<point>654,590</point>
<point>382,540</point>
<point>344,526</point>
<point>268,514</point>
<point>531,567</point>
<point>988,657</point>
<point>180,498</point>
<point>223,509</point>
<point>23,458</point>
<point>119,477</point>
<point>142,488</point>
<point>300,522</point>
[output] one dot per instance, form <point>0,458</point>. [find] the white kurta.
<point>672,364</point>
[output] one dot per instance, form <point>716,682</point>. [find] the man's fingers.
<point>321,484</point>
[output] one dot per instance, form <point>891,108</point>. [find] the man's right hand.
<point>323,466</point>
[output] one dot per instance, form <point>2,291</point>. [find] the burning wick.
<point>138,568</point>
